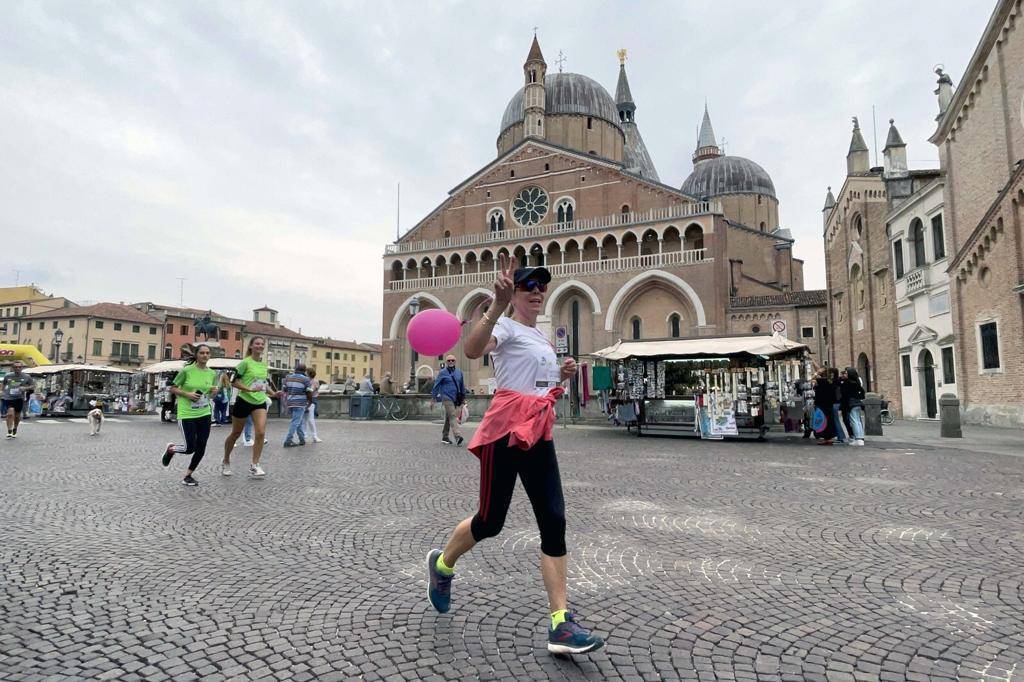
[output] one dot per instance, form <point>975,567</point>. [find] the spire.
<point>857,159</point>
<point>535,53</point>
<point>894,139</point>
<point>857,140</point>
<point>623,97</point>
<point>707,147</point>
<point>830,200</point>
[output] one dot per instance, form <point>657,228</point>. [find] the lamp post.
<point>58,338</point>
<point>414,308</point>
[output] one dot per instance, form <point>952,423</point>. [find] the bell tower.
<point>534,97</point>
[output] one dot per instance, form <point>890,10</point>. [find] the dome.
<point>728,175</point>
<point>567,93</point>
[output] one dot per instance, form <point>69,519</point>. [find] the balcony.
<point>917,281</point>
<point>551,229</point>
<point>562,270</point>
<point>133,360</point>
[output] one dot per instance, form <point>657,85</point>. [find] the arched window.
<point>635,327</point>
<point>858,227</point>
<point>673,326</point>
<point>693,238</point>
<point>917,243</point>
<point>496,220</point>
<point>762,226</point>
<point>533,76</point>
<point>857,285</point>
<point>590,122</point>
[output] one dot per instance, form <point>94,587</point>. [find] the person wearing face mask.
<point>514,440</point>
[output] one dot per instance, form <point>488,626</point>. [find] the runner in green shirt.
<point>194,387</point>
<point>251,380</point>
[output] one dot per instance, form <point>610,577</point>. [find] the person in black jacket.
<point>852,399</point>
<point>824,400</point>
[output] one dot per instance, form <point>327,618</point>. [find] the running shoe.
<point>317,440</point>
<point>247,443</point>
<point>446,441</point>
<point>291,444</point>
<point>572,638</point>
<point>14,433</point>
<point>439,586</point>
<point>257,471</point>
<point>189,481</point>
<point>168,454</point>
<point>460,440</point>
<point>225,469</point>
<point>10,434</point>
<point>302,442</point>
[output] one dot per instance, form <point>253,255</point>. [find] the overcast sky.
<point>254,149</point>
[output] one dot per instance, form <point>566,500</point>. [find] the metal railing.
<point>582,225</point>
<point>561,270</point>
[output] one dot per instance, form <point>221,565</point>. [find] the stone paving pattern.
<point>775,561</point>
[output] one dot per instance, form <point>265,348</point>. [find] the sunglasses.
<point>532,285</point>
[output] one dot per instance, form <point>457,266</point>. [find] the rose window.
<point>530,206</point>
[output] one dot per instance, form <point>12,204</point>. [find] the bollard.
<point>949,414</point>
<point>872,415</point>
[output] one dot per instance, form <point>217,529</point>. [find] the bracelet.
<point>487,317</point>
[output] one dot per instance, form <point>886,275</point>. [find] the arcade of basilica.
<point>573,188</point>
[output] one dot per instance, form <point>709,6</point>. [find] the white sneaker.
<point>317,440</point>
<point>860,441</point>
<point>257,471</point>
<point>247,443</point>
<point>225,469</point>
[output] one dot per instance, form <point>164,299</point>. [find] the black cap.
<point>542,275</point>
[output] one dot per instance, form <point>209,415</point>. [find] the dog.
<point>95,417</point>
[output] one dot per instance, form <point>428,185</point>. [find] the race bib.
<point>15,391</point>
<point>548,374</point>
<point>259,385</point>
<point>200,403</point>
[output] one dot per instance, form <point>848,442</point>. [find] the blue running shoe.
<point>572,638</point>
<point>439,586</point>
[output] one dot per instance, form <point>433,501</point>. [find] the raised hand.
<point>504,284</point>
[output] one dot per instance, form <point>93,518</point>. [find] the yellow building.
<point>334,360</point>
<point>17,303</point>
<point>101,334</point>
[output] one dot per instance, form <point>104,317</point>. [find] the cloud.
<point>255,148</point>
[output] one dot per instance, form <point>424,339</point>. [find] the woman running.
<point>251,380</point>
<point>515,440</point>
<point>193,386</point>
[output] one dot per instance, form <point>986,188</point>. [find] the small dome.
<point>567,93</point>
<point>728,175</point>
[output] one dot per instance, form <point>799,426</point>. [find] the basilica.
<point>573,188</point>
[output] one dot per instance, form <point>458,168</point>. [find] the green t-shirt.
<point>252,373</point>
<point>192,379</point>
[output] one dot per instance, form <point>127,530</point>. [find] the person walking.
<point>17,386</point>
<point>825,400</point>
<point>852,400</point>
<point>450,390</point>
<point>192,387</point>
<point>314,405</point>
<point>221,399</point>
<point>251,380</point>
<point>298,396</point>
<point>515,440</point>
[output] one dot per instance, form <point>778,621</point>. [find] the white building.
<point>918,244</point>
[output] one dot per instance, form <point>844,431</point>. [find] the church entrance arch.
<point>926,367</point>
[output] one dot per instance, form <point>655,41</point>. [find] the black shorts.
<point>243,408</point>
<point>16,404</point>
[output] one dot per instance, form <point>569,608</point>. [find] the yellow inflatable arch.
<point>9,352</point>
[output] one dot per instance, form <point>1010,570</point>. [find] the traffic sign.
<point>561,340</point>
<point>779,327</point>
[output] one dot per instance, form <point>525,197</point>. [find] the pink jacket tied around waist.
<point>526,419</point>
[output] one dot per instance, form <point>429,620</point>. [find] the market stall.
<point>67,390</point>
<point>711,387</point>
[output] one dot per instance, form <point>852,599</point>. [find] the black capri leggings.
<point>196,432</point>
<point>538,469</point>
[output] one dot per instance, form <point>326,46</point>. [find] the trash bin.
<point>360,406</point>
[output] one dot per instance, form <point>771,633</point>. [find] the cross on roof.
<point>560,61</point>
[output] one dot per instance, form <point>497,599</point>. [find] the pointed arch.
<point>396,321</point>
<point>564,289</point>
<point>464,308</point>
<point>667,277</point>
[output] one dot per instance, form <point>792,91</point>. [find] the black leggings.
<point>538,469</point>
<point>196,432</point>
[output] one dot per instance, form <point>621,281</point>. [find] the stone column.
<point>872,415</point>
<point>949,414</point>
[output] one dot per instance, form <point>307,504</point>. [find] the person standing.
<point>251,380</point>
<point>17,385</point>
<point>837,419</point>
<point>387,384</point>
<point>515,440</point>
<point>298,396</point>
<point>852,393</point>
<point>220,401</point>
<point>314,405</point>
<point>825,400</point>
<point>193,386</point>
<point>450,390</point>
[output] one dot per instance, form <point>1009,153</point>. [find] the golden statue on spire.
<point>622,55</point>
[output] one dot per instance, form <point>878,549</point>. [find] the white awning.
<point>168,366</point>
<point>55,369</point>
<point>711,346</point>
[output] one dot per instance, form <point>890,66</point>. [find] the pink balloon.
<point>434,332</point>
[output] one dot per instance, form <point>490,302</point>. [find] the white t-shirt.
<point>524,359</point>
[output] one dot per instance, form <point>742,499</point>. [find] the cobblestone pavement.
<point>698,560</point>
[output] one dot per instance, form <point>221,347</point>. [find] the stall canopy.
<point>177,365</point>
<point>711,346</point>
<point>55,369</point>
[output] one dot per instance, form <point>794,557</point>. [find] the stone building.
<point>17,303</point>
<point>925,331</point>
<point>574,188</point>
<point>180,324</point>
<point>102,334</point>
<point>981,143</point>
<point>285,347</point>
<point>335,360</point>
<point>861,310</point>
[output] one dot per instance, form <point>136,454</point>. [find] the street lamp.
<point>414,307</point>
<point>58,337</point>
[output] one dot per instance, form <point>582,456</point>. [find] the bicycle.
<point>885,415</point>
<point>389,408</point>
